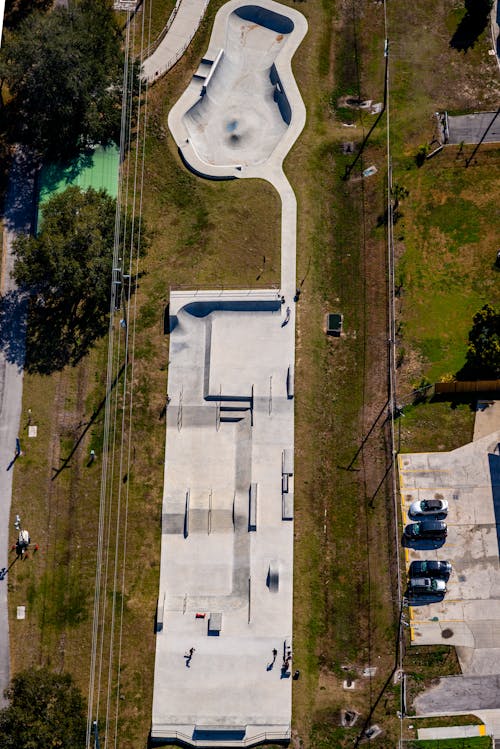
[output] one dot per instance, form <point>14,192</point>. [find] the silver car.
<point>429,507</point>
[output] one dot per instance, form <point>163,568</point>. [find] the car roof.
<point>433,524</point>
<point>433,502</point>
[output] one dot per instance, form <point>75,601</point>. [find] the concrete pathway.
<point>177,39</point>
<point>451,732</point>
<point>18,214</point>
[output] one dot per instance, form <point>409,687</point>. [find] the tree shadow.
<point>67,171</point>
<point>65,461</point>
<point>472,24</point>
<point>57,335</point>
<point>13,309</point>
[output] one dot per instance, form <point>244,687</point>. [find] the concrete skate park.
<point>224,660</point>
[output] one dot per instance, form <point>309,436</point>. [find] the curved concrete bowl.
<point>242,110</point>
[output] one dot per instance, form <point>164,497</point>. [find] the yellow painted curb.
<point>412,635</point>
<point>411,612</point>
<point>482,730</point>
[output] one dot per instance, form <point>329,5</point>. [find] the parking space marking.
<point>417,622</point>
<point>425,470</point>
<point>429,489</point>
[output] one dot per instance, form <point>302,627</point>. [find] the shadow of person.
<point>12,461</point>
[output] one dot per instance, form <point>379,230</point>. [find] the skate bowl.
<point>242,109</point>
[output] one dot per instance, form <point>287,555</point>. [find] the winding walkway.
<point>184,25</point>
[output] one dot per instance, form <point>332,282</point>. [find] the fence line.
<point>161,36</point>
<point>458,387</point>
<point>173,60</point>
<point>264,736</point>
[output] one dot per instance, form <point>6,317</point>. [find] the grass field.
<point>477,742</point>
<point>228,234</point>
<point>447,270</point>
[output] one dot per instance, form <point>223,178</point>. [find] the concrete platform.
<point>471,128</point>
<point>227,549</point>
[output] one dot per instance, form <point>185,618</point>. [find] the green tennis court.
<point>97,167</point>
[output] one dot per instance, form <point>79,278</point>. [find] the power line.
<point>112,433</point>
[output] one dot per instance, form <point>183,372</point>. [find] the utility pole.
<point>95,729</point>
<point>121,294</point>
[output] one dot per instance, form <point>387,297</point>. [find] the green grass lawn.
<point>476,742</point>
<point>447,267</point>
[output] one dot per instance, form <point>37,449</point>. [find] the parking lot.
<point>468,615</point>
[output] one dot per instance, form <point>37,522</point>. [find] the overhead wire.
<point>110,431</point>
<point>120,407</point>
<point>391,302</point>
<point>132,318</point>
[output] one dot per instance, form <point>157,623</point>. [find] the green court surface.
<point>97,168</point>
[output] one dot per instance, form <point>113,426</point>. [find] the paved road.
<point>177,39</point>
<point>18,215</point>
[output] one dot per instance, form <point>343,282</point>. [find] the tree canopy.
<point>17,10</point>
<point>46,710</point>
<point>483,353</point>
<point>64,72</point>
<point>68,269</point>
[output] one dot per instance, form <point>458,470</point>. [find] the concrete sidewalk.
<point>176,40</point>
<point>451,732</point>
<point>18,215</point>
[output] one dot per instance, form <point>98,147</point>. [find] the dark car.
<point>430,568</point>
<point>427,529</point>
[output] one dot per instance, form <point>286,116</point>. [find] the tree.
<point>46,710</point>
<point>17,10</point>
<point>64,72</point>
<point>483,353</point>
<point>67,267</point>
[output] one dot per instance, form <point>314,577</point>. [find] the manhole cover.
<point>447,633</point>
